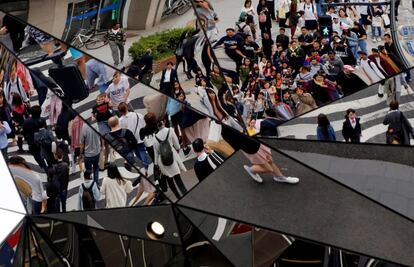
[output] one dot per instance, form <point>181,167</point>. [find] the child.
<point>88,192</point>
<point>251,129</point>
<point>259,106</point>
<point>101,112</point>
<point>351,128</point>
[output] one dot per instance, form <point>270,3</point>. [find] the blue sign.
<point>407,31</point>
<point>409,46</point>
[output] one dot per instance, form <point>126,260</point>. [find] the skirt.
<point>260,157</point>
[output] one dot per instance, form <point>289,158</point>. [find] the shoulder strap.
<point>168,134</point>
<point>136,125</point>
<point>90,187</point>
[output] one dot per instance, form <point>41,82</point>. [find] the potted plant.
<point>163,45</point>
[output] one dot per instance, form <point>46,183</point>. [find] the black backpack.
<point>120,144</point>
<point>167,157</point>
<point>240,30</point>
<point>44,139</point>
<point>88,200</point>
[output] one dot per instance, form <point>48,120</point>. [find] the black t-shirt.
<point>248,49</point>
<point>267,47</point>
<point>282,40</point>
<point>102,112</point>
<point>13,26</point>
<point>306,39</point>
<point>360,31</point>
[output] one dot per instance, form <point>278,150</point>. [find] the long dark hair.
<point>323,124</point>
<point>114,173</point>
<point>17,160</point>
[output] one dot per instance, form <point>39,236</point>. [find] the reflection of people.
<point>20,169</point>
<point>207,160</point>
<point>117,38</point>
<point>170,173</point>
<point>351,128</point>
<point>168,77</point>
<point>115,188</point>
<point>16,30</point>
<point>260,157</point>
<point>325,131</point>
<point>399,127</point>
<point>4,131</point>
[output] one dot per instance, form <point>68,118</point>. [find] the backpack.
<point>313,7</point>
<point>65,149</point>
<point>120,144</point>
<point>240,30</point>
<point>88,200</point>
<point>167,157</point>
<point>262,17</point>
<point>44,138</point>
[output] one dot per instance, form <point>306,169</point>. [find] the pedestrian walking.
<point>117,38</point>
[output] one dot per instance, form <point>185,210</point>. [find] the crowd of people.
<point>301,67</point>
<point>271,82</point>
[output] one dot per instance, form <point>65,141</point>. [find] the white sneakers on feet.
<point>255,176</point>
<point>284,179</point>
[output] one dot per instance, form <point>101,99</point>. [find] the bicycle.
<point>178,7</point>
<point>91,39</point>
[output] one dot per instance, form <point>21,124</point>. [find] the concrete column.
<point>48,15</point>
<point>143,14</point>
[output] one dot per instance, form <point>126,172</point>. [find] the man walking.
<point>117,38</point>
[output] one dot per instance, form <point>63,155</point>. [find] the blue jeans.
<point>61,199</point>
<point>37,207</point>
<point>354,50</point>
<point>102,88</point>
<point>142,155</point>
<point>363,45</point>
<point>103,127</point>
<point>92,164</point>
<point>378,29</point>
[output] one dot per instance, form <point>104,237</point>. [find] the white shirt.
<point>353,123</point>
<point>310,11</point>
<point>117,92</point>
<point>33,179</point>
<point>167,76</point>
<point>115,193</point>
<point>134,122</point>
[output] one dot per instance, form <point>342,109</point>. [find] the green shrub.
<point>162,44</point>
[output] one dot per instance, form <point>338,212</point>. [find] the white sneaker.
<point>374,40</point>
<point>255,176</point>
<point>379,39</point>
<point>283,179</point>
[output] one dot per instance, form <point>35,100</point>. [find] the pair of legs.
<point>92,164</point>
<point>170,180</point>
<point>117,50</point>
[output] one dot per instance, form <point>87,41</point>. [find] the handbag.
<point>377,22</point>
<point>282,13</point>
<point>215,132</point>
<point>386,19</point>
